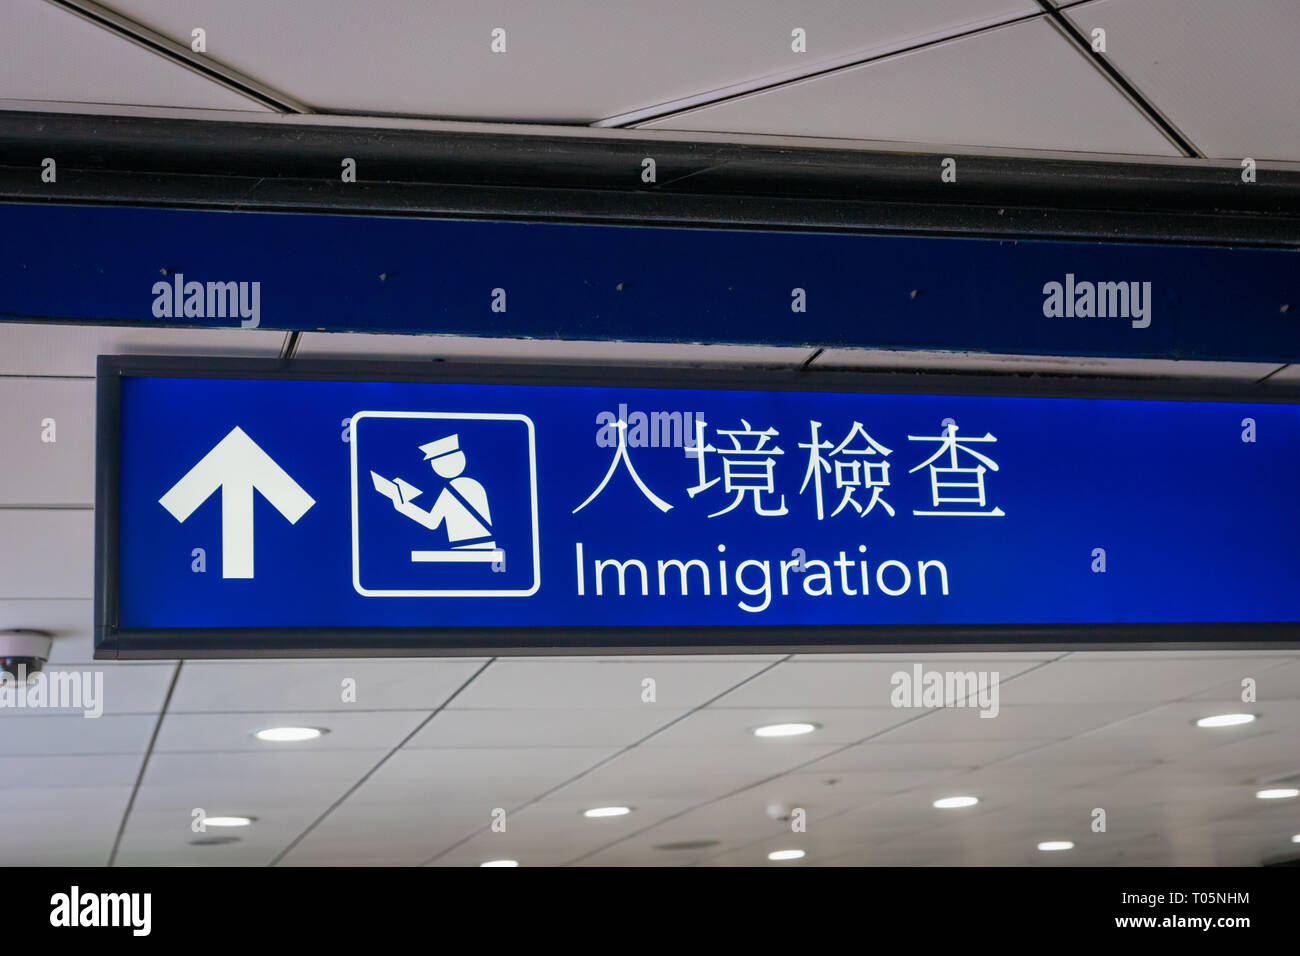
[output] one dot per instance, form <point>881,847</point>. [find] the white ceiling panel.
<point>618,783</point>
<point>215,790</point>
<point>126,688</point>
<point>47,53</point>
<point>58,838</point>
<point>395,784</point>
<point>1288,374</point>
<point>23,735</point>
<point>1112,747</point>
<point>1024,775</point>
<point>733,726</point>
<point>1223,73</point>
<point>939,659</point>
<point>1257,756</point>
<point>47,436</point>
<point>357,345</point>
<point>758,762</point>
<point>325,771</point>
<point>880,755</point>
<point>373,830</point>
<point>542,728</point>
<point>47,554</point>
<point>566,61</point>
<point>166,837</point>
<point>493,763</point>
<point>57,348</point>
<point>318,685</point>
<point>892,359</point>
<point>558,825</point>
<point>66,799</point>
<point>822,786</point>
<point>565,684</point>
<point>1129,680</point>
<point>840,683</point>
<point>1274,680</point>
<point>351,730</point>
<point>70,622</point>
<point>1010,722</point>
<point>1022,85</point>
<point>94,770</point>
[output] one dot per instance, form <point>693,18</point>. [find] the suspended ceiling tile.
<point>23,735</point>
<point>65,349</point>
<point>733,726</point>
<point>1223,73</point>
<point>318,685</point>
<point>889,359</point>
<point>47,437</point>
<point>1023,86</point>
<point>49,54</point>
<point>70,621</point>
<point>362,345</point>
<point>354,730</point>
<point>134,689</point>
<point>565,684</point>
<point>565,61</point>
<point>542,728</point>
<point>47,553</point>
<point>838,683</point>
<point>1122,680</point>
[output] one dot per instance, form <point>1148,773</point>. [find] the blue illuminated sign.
<point>564,515</point>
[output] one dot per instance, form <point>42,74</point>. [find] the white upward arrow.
<point>237,465</point>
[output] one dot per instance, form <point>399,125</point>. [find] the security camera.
<point>23,653</point>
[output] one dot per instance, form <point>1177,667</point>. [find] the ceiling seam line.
<point>614,756</point>
<point>688,104</point>
<point>739,790</point>
<point>794,769</point>
<point>1119,81</point>
<point>290,347</point>
<point>168,48</point>
<point>883,797</point>
<point>383,760</point>
<point>144,765</point>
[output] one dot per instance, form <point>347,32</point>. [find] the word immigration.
<point>753,577</point>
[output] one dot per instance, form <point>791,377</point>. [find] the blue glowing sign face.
<point>249,504</point>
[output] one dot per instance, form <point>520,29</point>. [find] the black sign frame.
<point>113,642</point>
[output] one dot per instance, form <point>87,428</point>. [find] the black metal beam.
<point>283,166</point>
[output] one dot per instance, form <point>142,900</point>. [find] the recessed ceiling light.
<point>227,821</point>
<point>500,863</point>
<point>287,735</point>
<point>1278,793</point>
<point>1296,838</point>
<point>607,812</point>
<point>950,803</point>
<point>786,855</point>
<point>1048,846</point>
<point>784,730</point>
<point>1225,720</point>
